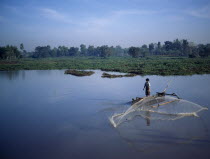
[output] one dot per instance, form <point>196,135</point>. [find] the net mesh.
<point>158,108</point>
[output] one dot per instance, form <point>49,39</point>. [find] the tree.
<point>74,51</point>
<point>177,45</point>
<point>151,48</point>
<point>9,52</point>
<point>23,52</point>
<point>159,45</point>
<point>97,51</point>
<point>134,52</point>
<point>204,50</point>
<point>83,50</point>
<point>207,49</point>
<point>21,46</point>
<point>54,52</point>
<point>185,47</point>
<point>119,51</point>
<point>105,51</point>
<point>16,52</point>
<point>42,52</point>
<point>112,51</point>
<point>144,51</point>
<point>90,50</point>
<point>193,50</point>
<point>158,50</point>
<point>2,52</point>
<point>168,45</point>
<point>144,46</point>
<point>63,51</point>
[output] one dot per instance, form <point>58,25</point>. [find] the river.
<point>46,114</point>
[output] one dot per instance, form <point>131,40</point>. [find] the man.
<point>147,87</point>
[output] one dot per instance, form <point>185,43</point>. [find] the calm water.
<point>50,115</point>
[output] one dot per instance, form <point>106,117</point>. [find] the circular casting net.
<point>158,108</point>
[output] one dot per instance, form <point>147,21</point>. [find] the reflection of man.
<point>147,87</point>
<point>147,113</point>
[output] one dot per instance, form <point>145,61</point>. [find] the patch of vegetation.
<point>154,65</point>
<point>79,73</point>
<point>107,75</point>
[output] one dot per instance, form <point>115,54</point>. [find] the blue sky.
<point>102,22</point>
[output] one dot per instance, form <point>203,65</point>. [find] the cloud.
<point>114,16</point>
<point>91,23</point>
<point>97,22</point>
<point>55,15</point>
<point>134,12</point>
<point>175,18</point>
<point>203,12</point>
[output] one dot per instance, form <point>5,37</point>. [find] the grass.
<point>142,66</point>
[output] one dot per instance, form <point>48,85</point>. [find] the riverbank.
<point>141,66</point>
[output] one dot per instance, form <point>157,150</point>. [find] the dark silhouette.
<point>147,87</point>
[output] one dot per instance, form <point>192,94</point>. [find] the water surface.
<point>47,114</point>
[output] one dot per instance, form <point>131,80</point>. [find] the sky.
<point>102,22</point>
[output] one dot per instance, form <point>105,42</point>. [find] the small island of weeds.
<point>79,73</point>
<point>107,75</point>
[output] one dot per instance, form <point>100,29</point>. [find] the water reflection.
<point>45,72</point>
<point>13,75</point>
<point>147,117</point>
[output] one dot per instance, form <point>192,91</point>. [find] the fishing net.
<point>158,108</point>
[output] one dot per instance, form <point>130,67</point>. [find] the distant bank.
<point>141,66</point>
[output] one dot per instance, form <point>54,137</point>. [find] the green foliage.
<point>134,51</point>
<point>144,51</point>
<point>42,51</point>
<point>63,51</point>
<point>9,53</point>
<point>83,50</point>
<point>107,75</point>
<point>169,48</point>
<point>151,48</point>
<point>102,51</point>
<point>90,50</point>
<point>21,47</point>
<point>185,47</point>
<point>204,50</point>
<point>138,51</point>
<point>154,65</point>
<point>105,51</point>
<point>119,51</point>
<point>74,51</point>
<point>79,73</point>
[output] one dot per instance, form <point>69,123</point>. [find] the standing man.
<point>147,87</point>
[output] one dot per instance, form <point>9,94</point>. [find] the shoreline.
<point>139,66</point>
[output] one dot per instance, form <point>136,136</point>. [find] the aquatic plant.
<point>107,75</point>
<point>79,73</point>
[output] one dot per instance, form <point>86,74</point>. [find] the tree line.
<point>171,48</point>
<point>101,51</point>
<point>168,48</point>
